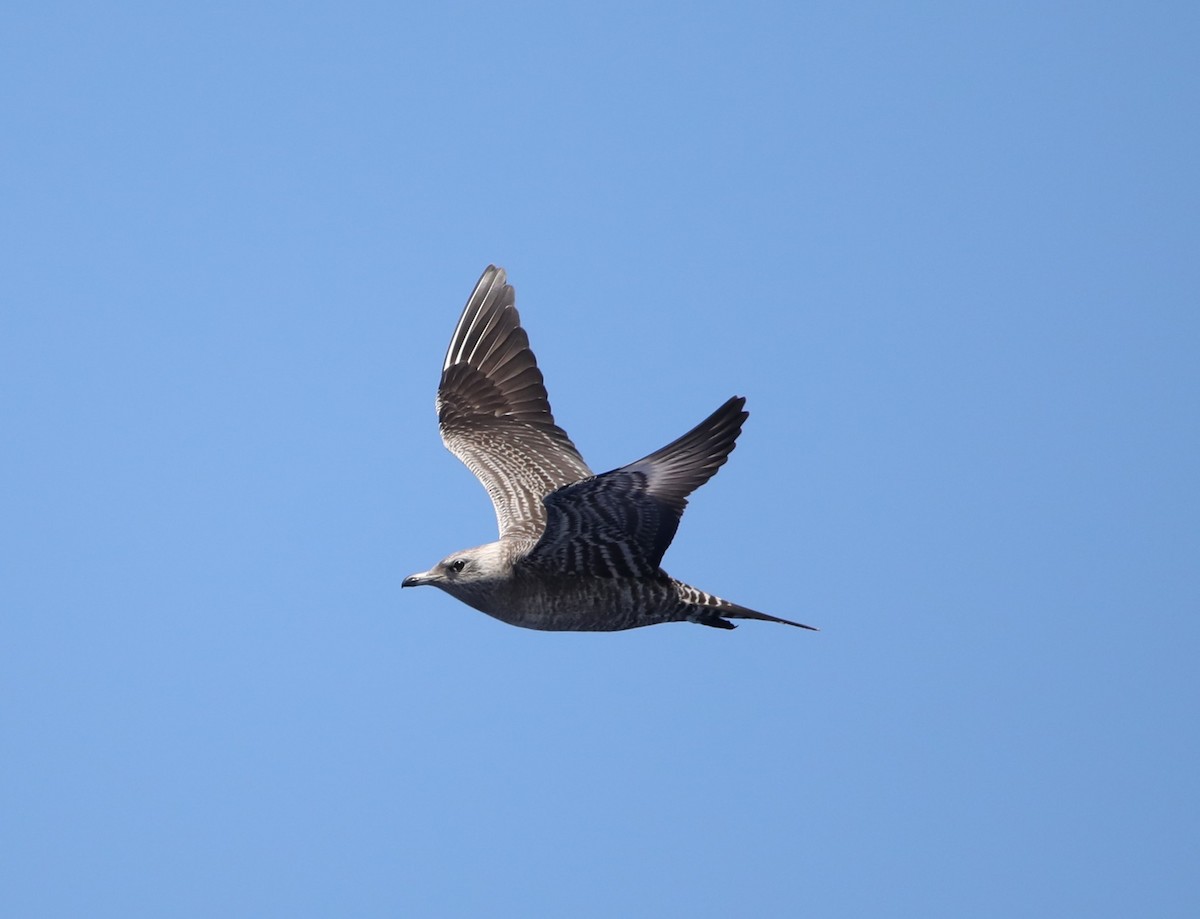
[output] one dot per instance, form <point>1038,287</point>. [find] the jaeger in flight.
<point>577,551</point>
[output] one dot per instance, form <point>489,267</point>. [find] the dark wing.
<point>494,414</point>
<point>620,523</point>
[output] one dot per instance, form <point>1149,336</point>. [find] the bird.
<point>576,551</point>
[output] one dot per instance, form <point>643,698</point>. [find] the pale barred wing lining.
<point>494,414</point>
<point>620,523</point>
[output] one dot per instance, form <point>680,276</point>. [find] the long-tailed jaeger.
<point>577,551</point>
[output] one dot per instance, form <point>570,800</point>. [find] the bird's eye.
<point>458,564</point>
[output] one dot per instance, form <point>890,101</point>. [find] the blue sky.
<point>947,251</point>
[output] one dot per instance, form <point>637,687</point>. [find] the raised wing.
<point>620,523</point>
<point>494,414</point>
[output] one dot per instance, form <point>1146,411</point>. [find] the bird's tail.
<point>706,609</point>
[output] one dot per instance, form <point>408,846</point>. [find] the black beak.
<point>411,581</point>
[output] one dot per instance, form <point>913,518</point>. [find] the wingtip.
<point>736,406</point>
<point>738,403</point>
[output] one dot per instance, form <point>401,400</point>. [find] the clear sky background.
<point>948,251</point>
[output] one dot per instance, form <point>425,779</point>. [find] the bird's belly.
<point>585,604</point>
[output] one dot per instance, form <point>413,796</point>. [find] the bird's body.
<point>577,604</point>
<point>577,551</point>
<point>583,603</point>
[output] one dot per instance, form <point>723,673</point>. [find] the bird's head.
<point>464,574</point>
